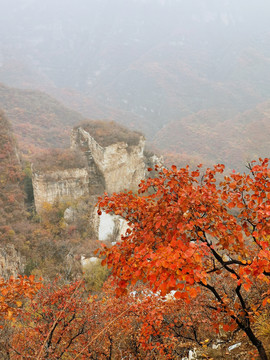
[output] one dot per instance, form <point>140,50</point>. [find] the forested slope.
<point>11,176</point>
<point>212,136</point>
<point>38,120</point>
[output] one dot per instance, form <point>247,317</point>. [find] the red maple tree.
<point>13,292</point>
<point>66,321</point>
<point>199,236</point>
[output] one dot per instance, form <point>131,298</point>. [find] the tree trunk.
<point>257,343</point>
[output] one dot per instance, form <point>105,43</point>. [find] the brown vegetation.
<point>39,121</point>
<point>59,159</point>
<point>11,193</point>
<point>107,133</point>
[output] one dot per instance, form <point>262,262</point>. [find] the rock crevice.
<point>111,167</point>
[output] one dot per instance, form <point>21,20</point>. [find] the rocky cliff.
<point>59,185</point>
<point>104,156</point>
<point>11,263</point>
<point>121,165</point>
<point>110,166</point>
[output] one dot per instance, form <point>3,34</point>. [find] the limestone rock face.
<point>153,160</point>
<point>112,168</point>
<point>111,227</point>
<point>121,165</point>
<point>62,185</point>
<point>118,165</point>
<point>11,263</point>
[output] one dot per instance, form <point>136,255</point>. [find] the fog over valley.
<point>192,75</point>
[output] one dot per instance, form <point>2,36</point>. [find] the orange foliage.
<point>13,291</point>
<point>69,322</point>
<point>199,238</point>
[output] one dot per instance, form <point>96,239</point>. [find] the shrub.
<point>95,275</point>
<point>59,159</point>
<point>107,133</point>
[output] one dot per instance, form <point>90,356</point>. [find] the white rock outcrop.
<point>111,227</point>
<point>121,165</point>
<point>11,263</point>
<point>59,185</point>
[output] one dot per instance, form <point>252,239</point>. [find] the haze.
<point>188,73</point>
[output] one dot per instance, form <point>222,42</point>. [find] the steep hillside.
<point>38,120</point>
<point>11,192</point>
<point>92,108</point>
<point>215,136</point>
<point>45,247</point>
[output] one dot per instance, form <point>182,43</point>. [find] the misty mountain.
<point>144,63</point>
<point>236,140</point>
<point>38,120</point>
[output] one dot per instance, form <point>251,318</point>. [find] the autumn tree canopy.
<point>199,234</point>
<point>69,322</point>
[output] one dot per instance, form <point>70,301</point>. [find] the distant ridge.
<point>215,136</point>
<point>39,121</point>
